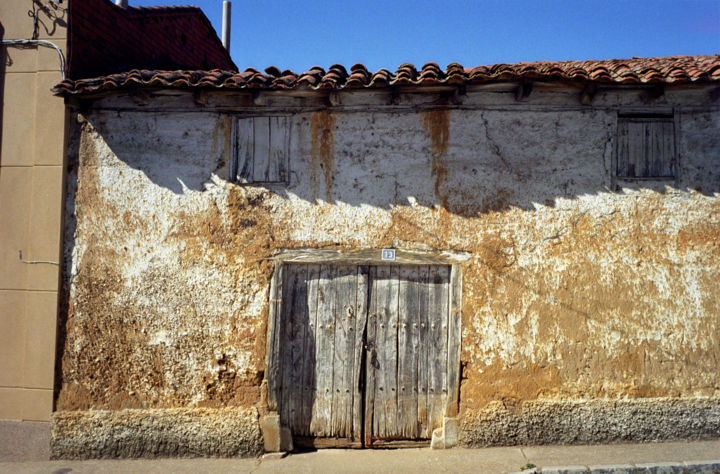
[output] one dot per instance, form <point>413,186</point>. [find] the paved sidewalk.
<point>485,460</point>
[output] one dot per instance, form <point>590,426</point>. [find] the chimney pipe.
<point>121,3</point>
<point>226,25</point>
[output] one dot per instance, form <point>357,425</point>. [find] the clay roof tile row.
<point>662,70</point>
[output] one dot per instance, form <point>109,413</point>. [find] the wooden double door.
<point>361,353</point>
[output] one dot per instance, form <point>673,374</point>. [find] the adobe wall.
<point>590,308</point>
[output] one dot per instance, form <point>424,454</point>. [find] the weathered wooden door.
<point>407,352</point>
<point>321,343</point>
<point>362,352</point>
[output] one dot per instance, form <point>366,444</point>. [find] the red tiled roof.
<point>106,39</point>
<point>639,71</point>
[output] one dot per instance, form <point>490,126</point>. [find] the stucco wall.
<point>576,289</point>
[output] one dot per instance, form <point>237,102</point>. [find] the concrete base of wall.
<point>233,432</point>
<point>173,432</point>
<point>591,422</point>
<point>24,441</point>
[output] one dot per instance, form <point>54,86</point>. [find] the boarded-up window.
<point>261,149</point>
<point>646,146</point>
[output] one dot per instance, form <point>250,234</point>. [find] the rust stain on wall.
<point>323,150</point>
<point>437,124</point>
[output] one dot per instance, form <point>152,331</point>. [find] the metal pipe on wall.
<point>226,25</point>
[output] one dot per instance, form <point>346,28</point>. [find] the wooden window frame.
<point>238,143</point>
<point>654,115</point>
<point>368,257</point>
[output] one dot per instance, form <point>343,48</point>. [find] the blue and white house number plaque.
<point>388,254</point>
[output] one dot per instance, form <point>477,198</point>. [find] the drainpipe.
<point>226,25</point>
<point>121,3</point>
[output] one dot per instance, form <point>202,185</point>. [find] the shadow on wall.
<point>488,161</point>
<point>47,17</point>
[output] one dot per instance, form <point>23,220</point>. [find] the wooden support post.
<point>523,91</point>
<point>588,93</point>
<point>334,99</point>
<point>653,93</point>
<point>459,95</point>
<point>394,98</point>
<point>715,94</point>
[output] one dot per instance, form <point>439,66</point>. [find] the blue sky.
<point>295,34</point>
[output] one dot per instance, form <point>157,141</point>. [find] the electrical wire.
<point>47,44</point>
<point>35,261</point>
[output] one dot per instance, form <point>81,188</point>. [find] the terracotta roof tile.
<point>669,70</point>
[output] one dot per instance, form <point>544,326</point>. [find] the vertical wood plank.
<point>668,147</point>
<point>279,134</point>
<point>361,310</point>
<point>261,142</point>
<point>636,146</point>
<point>654,149</point>
<point>233,152</point>
<point>273,337</point>
<point>299,337</point>
<point>244,149</point>
<point>346,284</point>
<point>284,167</point>
<point>622,148</point>
<point>407,355</point>
<point>325,352</point>
<point>286,342</point>
<point>378,353</point>
<point>438,386</point>
<point>454,342</point>
<point>420,341</point>
<point>646,169</point>
<point>309,367</point>
<point>386,397</point>
<point>371,358</point>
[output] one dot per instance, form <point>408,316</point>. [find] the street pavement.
<point>671,457</point>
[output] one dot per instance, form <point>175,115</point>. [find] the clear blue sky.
<point>295,35</point>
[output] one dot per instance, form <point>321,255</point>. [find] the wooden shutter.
<point>646,147</point>
<point>262,147</point>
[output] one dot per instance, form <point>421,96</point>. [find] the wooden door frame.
<point>367,257</point>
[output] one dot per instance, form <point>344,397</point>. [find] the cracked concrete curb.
<point>687,467</point>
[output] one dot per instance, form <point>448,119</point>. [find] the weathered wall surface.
<point>175,432</point>
<point>575,290</point>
